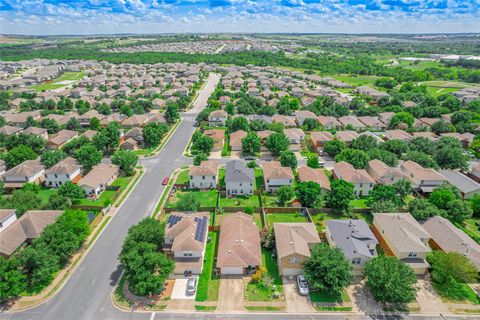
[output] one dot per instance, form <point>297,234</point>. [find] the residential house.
<point>400,235</point>
<point>7,217</point>
<point>467,186</point>
<point>218,137</point>
<point>218,118</point>
<point>319,138</point>
<point>130,145</point>
<point>239,245</point>
<point>361,180</point>
<point>424,179</point>
<point>89,134</point>
<point>346,136</point>
<point>205,175</point>
<point>287,121</point>
<point>185,240</point>
<point>396,135</point>
<point>135,134</point>
<point>10,130</point>
<point>386,117</point>
<point>427,134</point>
<point>275,176</point>
<point>29,171</point>
<point>373,123</point>
<point>39,132</point>
<point>446,237</point>
<point>98,179</point>
<point>306,173</point>
<point>383,174</point>
<point>58,140</point>
<point>302,115</point>
<point>85,118</point>
<point>329,123</point>
<point>355,239</point>
<point>24,229</point>
<point>475,173</point>
<point>352,123</point>
<point>235,142</point>
<point>296,137</point>
<point>293,243</point>
<point>66,170</point>
<point>239,179</point>
<point>136,120</point>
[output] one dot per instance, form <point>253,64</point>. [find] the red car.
<point>165,181</point>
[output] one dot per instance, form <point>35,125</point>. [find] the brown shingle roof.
<point>317,175</point>
<point>206,168</point>
<point>294,238</point>
<point>274,170</point>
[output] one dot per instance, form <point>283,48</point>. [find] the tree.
<point>285,194</point>
<point>422,144</point>
<point>126,160</point>
<point>288,159</point>
<point>88,156</point>
<point>458,210</point>
<point>187,202</point>
<point>334,147</point>
<point>390,280</point>
<point>383,192</point>
<point>422,209</point>
<point>384,206</point>
<point>311,124</point>
<point>71,190</point>
<point>50,124</point>
<point>440,127</point>
<point>422,159</point>
<point>357,158</point>
<point>73,124</point>
<point>451,158</point>
<point>475,205</point>
<point>341,193</point>
<point>398,147</point>
<point>18,155</point>
<point>451,264</point>
<point>309,194</point>
<point>39,265</point>
<point>385,156</point>
<point>171,113</point>
<point>199,158</point>
<point>153,133</point>
<point>328,270</point>
<point>364,142</point>
<point>403,188</point>
<point>402,117</point>
<point>312,162</point>
<point>443,194</point>
<point>58,202</point>
<point>251,143</point>
<point>238,123</point>
<point>276,143</point>
<point>94,124</point>
<point>12,280</point>
<point>51,157</point>
<point>204,144</point>
<point>24,199</point>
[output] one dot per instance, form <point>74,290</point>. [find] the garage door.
<point>232,270</point>
<point>292,272</point>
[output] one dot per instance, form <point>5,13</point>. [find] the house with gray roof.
<point>239,179</point>
<point>467,186</point>
<point>355,239</point>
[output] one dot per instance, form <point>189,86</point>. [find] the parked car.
<point>165,181</point>
<point>191,286</point>
<point>302,286</point>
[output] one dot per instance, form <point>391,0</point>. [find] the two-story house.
<point>361,180</point>
<point>384,174</point>
<point>218,118</point>
<point>67,169</point>
<point>355,239</point>
<point>29,171</point>
<point>239,180</point>
<point>205,175</point>
<point>275,176</point>
<point>423,179</point>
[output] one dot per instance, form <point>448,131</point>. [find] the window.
<point>412,254</point>
<point>56,175</point>
<point>356,260</point>
<point>203,177</point>
<point>293,260</point>
<point>361,185</point>
<point>241,184</point>
<point>268,180</point>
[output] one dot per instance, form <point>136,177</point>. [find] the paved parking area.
<point>295,302</point>
<point>180,290</point>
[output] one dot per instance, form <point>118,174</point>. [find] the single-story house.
<point>97,180</point>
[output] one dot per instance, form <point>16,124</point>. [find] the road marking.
<point>152,316</point>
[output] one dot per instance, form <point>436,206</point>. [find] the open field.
<point>65,79</point>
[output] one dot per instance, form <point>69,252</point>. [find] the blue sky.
<point>172,16</point>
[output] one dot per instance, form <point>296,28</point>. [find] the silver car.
<point>191,286</point>
<point>302,286</point>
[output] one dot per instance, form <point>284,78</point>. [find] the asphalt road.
<point>87,294</point>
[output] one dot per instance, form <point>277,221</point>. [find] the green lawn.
<point>322,296</point>
<point>240,201</point>
<point>45,194</point>
<point>469,295</point>
<point>358,203</point>
<point>270,200</point>
<point>258,220</point>
<point>471,228</point>
<point>320,218</point>
<point>221,177</point>
<point>284,217</point>
<point>257,291</point>
<point>258,178</point>
<point>107,195</point>
<point>356,80</point>
<point>55,84</point>
<point>183,177</point>
<point>226,152</point>
<point>144,152</point>
<point>205,198</point>
<point>209,283</point>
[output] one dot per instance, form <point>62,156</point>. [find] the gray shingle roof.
<point>461,181</point>
<point>235,171</point>
<point>353,237</point>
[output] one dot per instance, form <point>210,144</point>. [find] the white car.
<point>191,286</point>
<point>302,286</point>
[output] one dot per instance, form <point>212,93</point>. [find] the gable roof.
<point>239,244</point>
<point>188,230</point>
<point>235,171</point>
<point>295,238</point>
<point>344,170</point>
<point>306,173</point>
<point>27,168</point>
<point>353,237</point>
<point>274,170</point>
<point>65,166</point>
<point>461,181</point>
<point>100,174</point>
<point>206,168</point>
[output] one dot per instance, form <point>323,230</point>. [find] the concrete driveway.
<point>231,296</point>
<point>428,299</point>
<point>180,290</point>
<point>295,302</point>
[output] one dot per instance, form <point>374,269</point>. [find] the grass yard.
<point>471,228</point>
<point>45,194</point>
<point>144,152</point>
<point>284,217</point>
<point>209,282</point>
<point>183,177</point>
<point>205,198</point>
<point>257,291</point>
<point>469,295</point>
<point>358,203</point>
<point>322,296</point>
<point>257,219</point>
<point>226,152</point>
<point>438,88</point>
<point>240,201</point>
<point>320,218</point>
<point>221,177</point>
<point>357,80</point>
<point>258,178</point>
<point>107,196</point>
<point>65,79</point>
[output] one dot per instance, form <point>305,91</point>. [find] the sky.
<point>47,17</point>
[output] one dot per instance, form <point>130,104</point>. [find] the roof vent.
<point>291,242</point>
